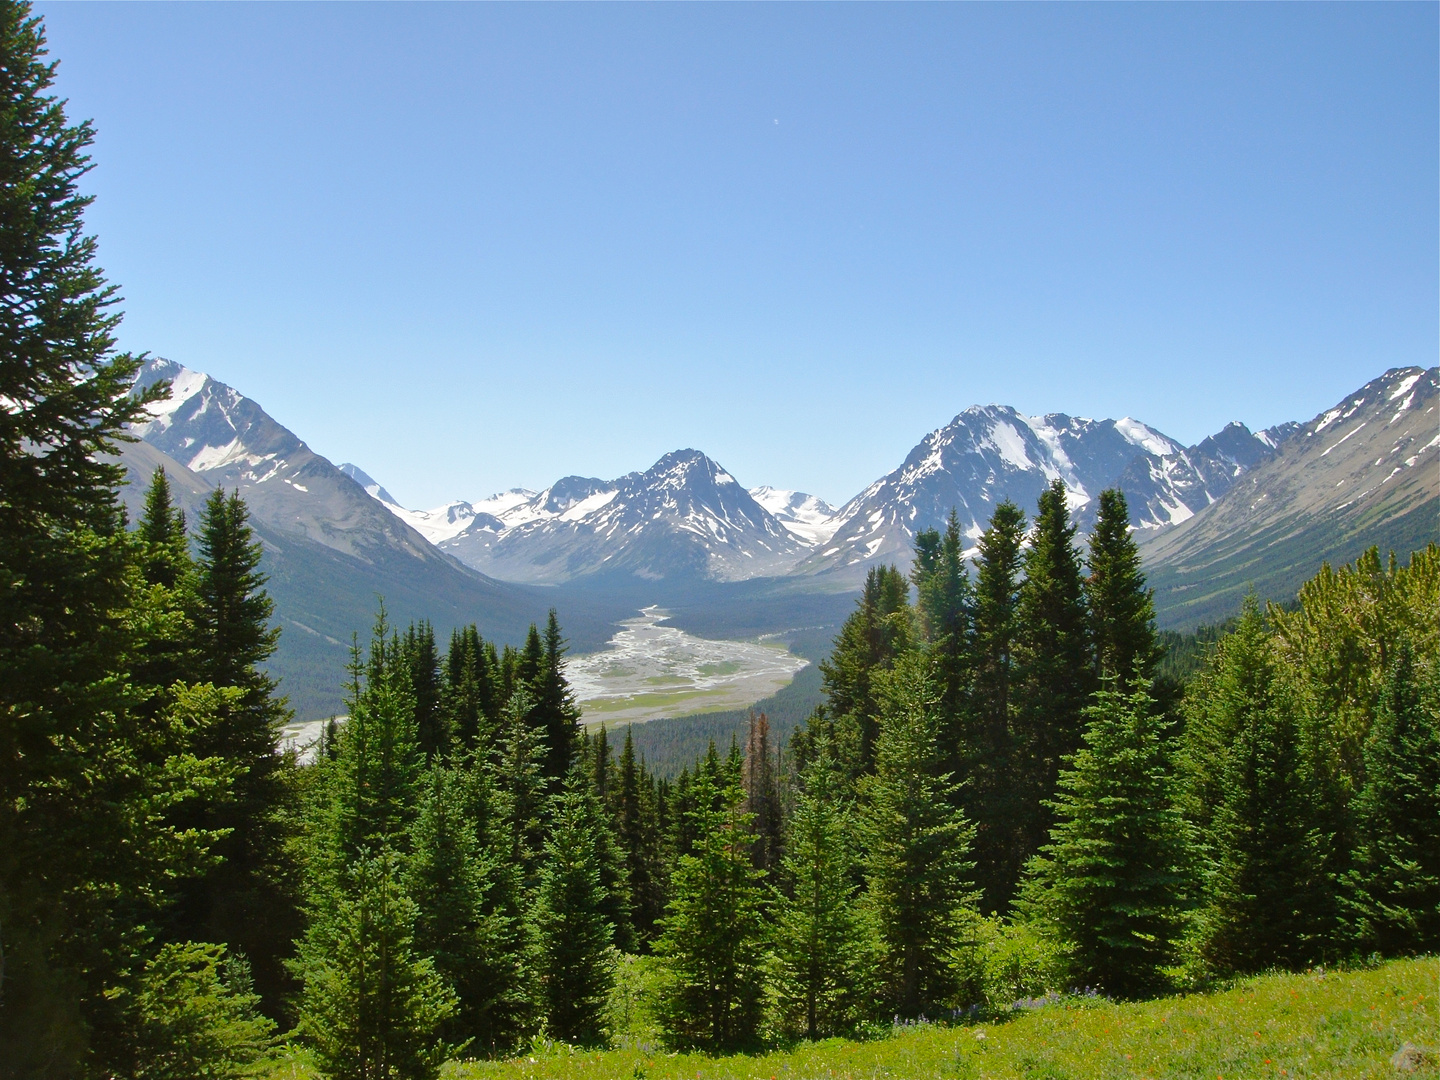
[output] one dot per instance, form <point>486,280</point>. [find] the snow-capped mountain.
<point>1362,473</point>
<point>1173,488</point>
<point>811,519</point>
<point>985,455</point>
<point>684,517</point>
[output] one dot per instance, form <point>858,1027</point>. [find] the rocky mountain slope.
<point>1366,472</point>
<point>685,516</point>
<point>331,550</point>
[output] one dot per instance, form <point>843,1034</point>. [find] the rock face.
<point>1366,472</point>
<point>685,517</point>
<point>331,550</point>
<point>985,455</point>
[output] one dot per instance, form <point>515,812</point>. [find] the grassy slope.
<point>1335,1025</point>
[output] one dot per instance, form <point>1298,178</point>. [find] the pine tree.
<point>712,943</point>
<point>77,835</point>
<point>945,610</point>
<point>818,972</point>
<point>248,902</point>
<point>576,957</point>
<point>1266,902</point>
<point>162,531</point>
<point>872,639</point>
<point>762,791</point>
<point>470,920</point>
<point>555,711</point>
<point>1112,879</point>
<point>640,833</point>
<point>1054,669</point>
<point>423,661</point>
<point>371,1006</point>
<point>520,787</point>
<point>1393,892</point>
<point>989,795</point>
<point>917,868</point>
<point>1121,609</point>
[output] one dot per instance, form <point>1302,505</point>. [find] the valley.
<point>650,670</point>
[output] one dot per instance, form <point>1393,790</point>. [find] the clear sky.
<point>475,247</point>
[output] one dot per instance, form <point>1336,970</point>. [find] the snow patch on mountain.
<point>808,517</point>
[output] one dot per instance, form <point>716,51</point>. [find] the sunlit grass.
<point>1330,1025</point>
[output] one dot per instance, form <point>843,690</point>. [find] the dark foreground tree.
<point>1112,879</point>
<point>712,945</point>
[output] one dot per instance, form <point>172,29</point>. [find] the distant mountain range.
<point>1239,509</point>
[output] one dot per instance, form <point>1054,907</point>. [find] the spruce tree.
<point>248,902</point>
<point>762,791</point>
<point>819,966</point>
<point>74,827</point>
<point>872,639</point>
<point>1266,901</point>
<point>945,611</point>
<point>162,531</point>
<point>640,833</point>
<point>917,866</point>
<point>453,880</point>
<point>1121,609</point>
<point>517,767</point>
<point>990,795</point>
<point>1055,675</point>
<point>555,710</point>
<point>1393,892</point>
<point>574,938</point>
<point>423,661</point>
<point>712,943</point>
<point>371,1006</point>
<point>1112,879</point>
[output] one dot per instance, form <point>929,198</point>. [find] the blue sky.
<point>475,247</point>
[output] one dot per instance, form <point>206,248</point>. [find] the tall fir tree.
<point>574,938</point>
<point>423,661</point>
<point>875,635</point>
<point>162,531</point>
<point>1393,891</point>
<point>917,862</point>
<point>818,973</point>
<point>518,768</point>
<point>75,830</point>
<point>250,901</point>
<point>760,779</point>
<point>640,833</point>
<point>945,611</point>
<point>1266,902</point>
<point>712,943</point>
<point>1121,609</point>
<point>169,654</point>
<point>1055,675</point>
<point>371,1006</point>
<point>989,794</point>
<point>1112,881</point>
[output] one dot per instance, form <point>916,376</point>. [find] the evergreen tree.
<point>466,923</point>
<point>1055,673</point>
<point>712,943</point>
<point>989,795</point>
<point>872,639</point>
<point>762,791</point>
<point>640,832</point>
<point>1111,881</point>
<point>371,1006</point>
<point>554,711</point>
<point>423,661</point>
<point>79,841</point>
<point>917,866</point>
<point>945,610</point>
<point>819,944</point>
<point>1266,901</point>
<point>249,901</point>
<point>520,788</point>
<point>1393,892</point>
<point>1121,609</point>
<point>576,957</point>
<point>372,787</point>
<point>162,531</point>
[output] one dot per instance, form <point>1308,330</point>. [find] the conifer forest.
<point>1006,793</point>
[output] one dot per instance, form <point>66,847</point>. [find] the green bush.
<point>1003,962</point>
